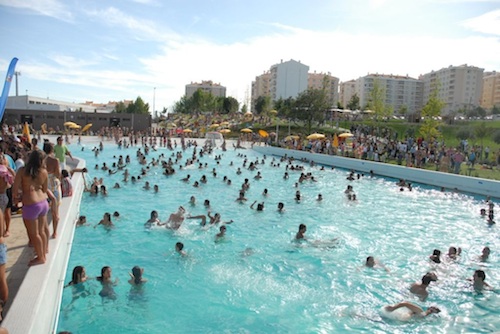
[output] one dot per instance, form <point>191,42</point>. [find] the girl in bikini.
<point>54,184</point>
<point>32,181</point>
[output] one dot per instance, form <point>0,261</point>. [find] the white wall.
<point>447,180</point>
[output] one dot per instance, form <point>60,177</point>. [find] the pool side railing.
<point>449,181</point>
<point>35,308</point>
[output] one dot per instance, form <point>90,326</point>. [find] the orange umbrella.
<point>335,141</point>
<point>263,133</point>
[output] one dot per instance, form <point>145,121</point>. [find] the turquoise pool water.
<point>277,286</point>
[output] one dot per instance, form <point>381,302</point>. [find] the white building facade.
<point>402,93</point>
<point>288,79</point>
<point>459,87</point>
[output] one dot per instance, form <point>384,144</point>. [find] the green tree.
<point>244,109</point>
<point>262,104</point>
<point>183,106</point>
<point>284,106</point>
<point>230,105</point>
<point>481,131</point>
<point>377,102</point>
<point>495,110</point>
<point>138,107</point>
<point>496,136</point>
<point>120,107</point>
<point>353,102</point>
<point>430,113</point>
<point>310,107</point>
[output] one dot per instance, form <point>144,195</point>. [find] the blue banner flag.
<point>6,86</point>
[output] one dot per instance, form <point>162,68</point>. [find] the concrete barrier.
<point>439,179</point>
<point>36,306</point>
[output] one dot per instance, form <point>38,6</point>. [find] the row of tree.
<point>202,101</point>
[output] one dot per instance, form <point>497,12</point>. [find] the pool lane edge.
<point>449,181</point>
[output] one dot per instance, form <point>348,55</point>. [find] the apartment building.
<point>347,91</point>
<point>402,93</point>
<point>207,86</point>
<point>288,79</point>
<point>459,87</point>
<point>490,96</point>
<point>261,87</point>
<point>327,82</point>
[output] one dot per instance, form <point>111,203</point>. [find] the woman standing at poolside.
<point>32,182</point>
<point>54,183</point>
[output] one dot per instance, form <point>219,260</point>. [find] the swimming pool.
<point>277,286</point>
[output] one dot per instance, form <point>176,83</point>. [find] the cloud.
<point>346,56</point>
<point>142,29</point>
<point>52,8</point>
<point>488,23</point>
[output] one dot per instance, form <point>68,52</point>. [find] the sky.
<point>113,50</point>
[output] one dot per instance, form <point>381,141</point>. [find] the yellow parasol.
<point>69,124</point>
<point>263,133</point>
<point>345,135</point>
<point>213,126</point>
<point>274,112</point>
<point>26,131</point>
<point>314,136</point>
<point>287,138</point>
<point>225,123</point>
<point>74,126</point>
<point>335,141</point>
<point>187,130</point>
<point>171,126</point>
<point>225,131</point>
<point>86,127</point>
<point>43,127</point>
<point>246,130</point>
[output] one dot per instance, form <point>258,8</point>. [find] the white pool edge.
<point>35,308</point>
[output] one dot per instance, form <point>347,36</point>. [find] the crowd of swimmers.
<point>177,218</point>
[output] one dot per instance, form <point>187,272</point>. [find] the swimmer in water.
<point>179,248</point>
<point>221,234</point>
<point>415,311</point>
<point>153,220</point>
<point>436,256</point>
<point>372,263</point>
<point>175,220</point>
<point>301,233</point>
<point>420,289</point>
<point>485,254</point>
<point>478,281</point>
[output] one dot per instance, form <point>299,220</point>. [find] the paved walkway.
<point>18,256</point>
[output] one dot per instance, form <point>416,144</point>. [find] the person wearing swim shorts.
<point>32,181</point>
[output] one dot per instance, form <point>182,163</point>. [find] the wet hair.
<point>48,148</point>
<point>302,226</point>
<point>179,246</point>
<point>116,214</point>
<point>34,164</point>
<point>427,279</point>
<point>137,273</point>
<point>64,173</point>
<point>433,309</point>
<point>103,270</point>
<point>260,206</point>
<point>480,274</point>
<point>369,258</point>
<point>77,275</point>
